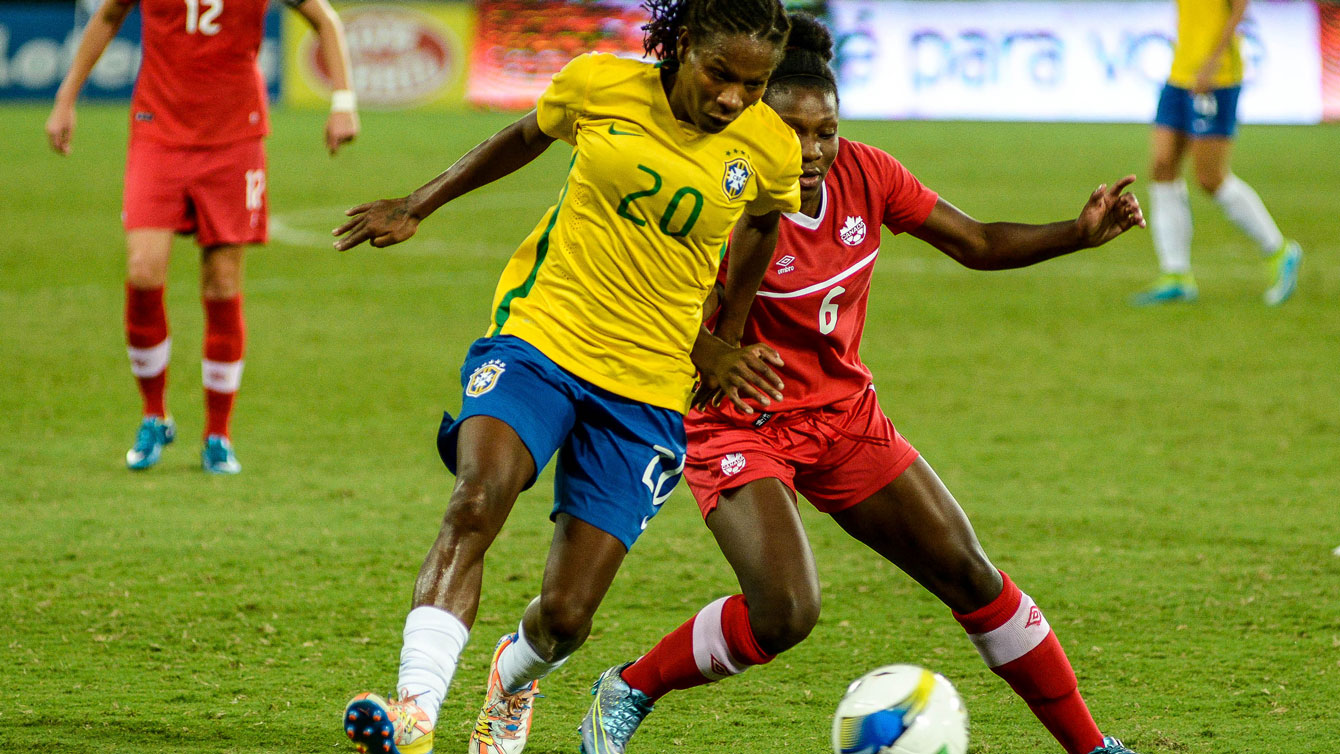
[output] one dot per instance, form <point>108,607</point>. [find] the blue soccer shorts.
<point>618,459</point>
<point>1214,113</point>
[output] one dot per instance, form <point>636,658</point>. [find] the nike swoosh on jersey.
<point>616,132</point>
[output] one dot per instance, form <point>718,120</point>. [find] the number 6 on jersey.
<point>828,311</point>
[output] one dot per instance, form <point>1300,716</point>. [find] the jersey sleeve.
<point>907,201</point>
<point>564,100</point>
<point>779,186</point>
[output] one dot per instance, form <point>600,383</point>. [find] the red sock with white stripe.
<point>1018,645</point>
<point>221,369</point>
<point>148,345</point>
<point>712,645</point>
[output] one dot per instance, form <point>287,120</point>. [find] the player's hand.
<point>381,223</point>
<point>1109,212</point>
<point>341,128</point>
<point>1205,78</point>
<point>60,127</point>
<point>741,374</point>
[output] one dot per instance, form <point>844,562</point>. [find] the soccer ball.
<point>900,709</point>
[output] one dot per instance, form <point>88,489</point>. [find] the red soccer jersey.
<point>199,83</point>
<point>812,302</point>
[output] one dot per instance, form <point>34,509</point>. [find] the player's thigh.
<point>1167,149</point>
<point>155,192</point>
<point>916,524</point>
<point>228,192</point>
<point>758,528</point>
<point>619,463</point>
<point>221,271</point>
<point>1210,158</point>
<point>147,253</point>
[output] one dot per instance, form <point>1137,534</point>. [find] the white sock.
<point>434,639</point>
<point>1170,225</point>
<point>519,664</point>
<point>1241,204</point>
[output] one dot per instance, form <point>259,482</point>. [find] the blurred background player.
<point>196,165</point>
<point>594,339</point>
<point>829,439</point>
<point>1198,112</point>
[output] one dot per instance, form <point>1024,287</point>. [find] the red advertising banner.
<point>1330,60</point>
<point>520,44</point>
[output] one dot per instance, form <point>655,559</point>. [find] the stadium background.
<point>1162,481</point>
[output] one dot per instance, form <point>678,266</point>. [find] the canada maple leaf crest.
<point>853,231</point>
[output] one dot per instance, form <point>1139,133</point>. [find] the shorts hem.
<point>903,464</point>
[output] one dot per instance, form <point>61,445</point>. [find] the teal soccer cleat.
<point>217,457</point>
<point>614,715</point>
<point>1282,267</point>
<point>1169,288</point>
<point>1111,746</point>
<point>155,433</point>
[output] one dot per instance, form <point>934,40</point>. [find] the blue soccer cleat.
<point>1282,267</point>
<point>155,433</point>
<point>387,726</point>
<point>1169,288</point>
<point>217,457</point>
<point>1111,746</point>
<point>614,715</point>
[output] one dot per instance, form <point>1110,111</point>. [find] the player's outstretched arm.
<point>1109,212</point>
<point>342,125</point>
<point>390,221</point>
<point>100,31</point>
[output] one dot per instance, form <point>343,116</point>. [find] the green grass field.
<point>1163,482</point>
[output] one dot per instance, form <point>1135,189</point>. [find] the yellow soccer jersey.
<point>1199,24</point>
<point>610,284</point>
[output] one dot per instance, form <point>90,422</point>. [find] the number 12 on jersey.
<point>205,23</point>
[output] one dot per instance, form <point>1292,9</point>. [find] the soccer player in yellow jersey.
<point>594,339</point>
<point>1197,112</point>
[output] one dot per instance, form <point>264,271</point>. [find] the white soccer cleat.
<point>504,722</point>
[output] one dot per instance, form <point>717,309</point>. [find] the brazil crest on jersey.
<point>610,284</point>
<point>1199,24</point>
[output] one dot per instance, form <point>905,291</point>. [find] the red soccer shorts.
<point>836,456</point>
<point>217,193</point>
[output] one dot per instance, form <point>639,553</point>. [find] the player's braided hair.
<point>808,52</point>
<point>762,19</point>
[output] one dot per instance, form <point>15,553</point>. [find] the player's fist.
<point>60,127</point>
<point>341,128</point>
<point>381,223</point>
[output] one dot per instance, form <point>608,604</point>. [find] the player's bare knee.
<point>1209,181</point>
<point>783,624</point>
<point>566,620</point>
<point>475,510</point>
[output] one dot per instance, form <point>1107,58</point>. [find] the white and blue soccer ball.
<point>900,709</point>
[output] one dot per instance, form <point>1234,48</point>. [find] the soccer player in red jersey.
<point>196,165</point>
<point>829,440</point>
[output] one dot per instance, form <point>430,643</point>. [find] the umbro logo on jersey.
<point>785,264</point>
<point>853,231</point>
<point>484,378</point>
